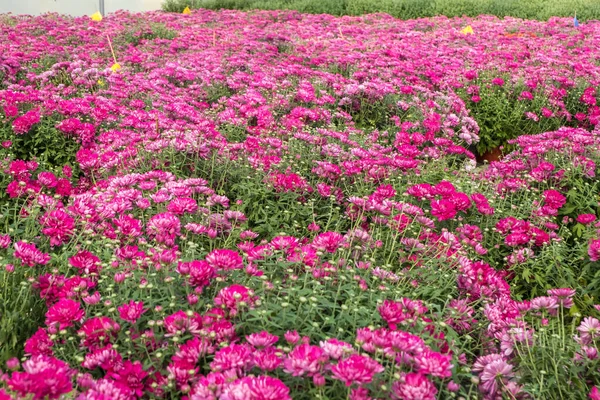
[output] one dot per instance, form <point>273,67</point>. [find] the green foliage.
<point>44,143</point>
<point>500,112</point>
<point>409,9</point>
<point>142,32</point>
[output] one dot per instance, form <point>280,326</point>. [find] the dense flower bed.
<point>273,205</point>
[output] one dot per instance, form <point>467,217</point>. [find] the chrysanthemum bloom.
<point>443,209</point>
<point>98,331</point>
<point>494,374</point>
<point>234,296</point>
<point>64,314</point>
<point>180,322</point>
<point>564,296</point>
<point>224,259</point>
<point>594,250</point>
<point>106,358</point>
<point>586,219</point>
<point>395,312</point>
<point>262,339</point>
<point>256,388</point>
<point>357,369</point>
<point>267,359</point>
<point>4,241</point>
<point>164,228</point>
<point>554,199</point>
<point>86,263</point>
<point>39,343</point>
<point>305,359</point>
<point>105,389</point>
<point>413,386</point>
<point>589,329</point>
<point>336,349</point>
<point>29,254</point>
<point>131,311</point>
<point>434,364</point>
<point>132,376</point>
<point>594,393</point>
<point>43,377</point>
<point>328,241</point>
<point>233,357</point>
<point>58,226</point>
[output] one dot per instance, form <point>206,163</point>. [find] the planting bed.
<point>273,205</point>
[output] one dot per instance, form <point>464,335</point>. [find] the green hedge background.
<point>408,9</point>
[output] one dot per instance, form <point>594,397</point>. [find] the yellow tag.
<point>467,30</point>
<point>115,67</point>
<point>96,16</point>
<point>186,11</point>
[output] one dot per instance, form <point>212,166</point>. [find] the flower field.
<point>272,205</point>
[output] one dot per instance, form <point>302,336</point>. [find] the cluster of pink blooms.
<point>156,285</point>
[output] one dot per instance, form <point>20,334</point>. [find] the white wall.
<point>75,7</point>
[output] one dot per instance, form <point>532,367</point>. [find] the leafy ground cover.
<point>271,205</point>
<point>409,9</point>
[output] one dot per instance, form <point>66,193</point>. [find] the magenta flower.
<point>305,360</point>
<point>443,209</point>
<point>43,377</point>
<point>131,311</point>
<point>29,254</point>
<point>414,386</point>
<point>356,369</point>
<point>64,314</point>
<point>256,388</point>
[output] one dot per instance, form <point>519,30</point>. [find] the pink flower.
<point>4,241</point>
<point>564,296</point>
<point>29,255</point>
<point>97,332</point>
<point>262,339</point>
<point>39,343</point>
<point>586,219</point>
<point>199,273</point>
<point>24,123</point>
<point>443,209</point>
<point>305,359</point>
<point>493,373</point>
<point>164,228</point>
<point>132,311</point>
<point>63,314</point>
<point>589,329</point>
<point>105,389</point>
<point>434,363</point>
<point>224,259</point>
<point>181,322</point>
<point>182,205</point>
<point>554,199</point>
<point>256,388</point>
<point>336,349</point>
<point>268,359</point>
<point>414,386</point>
<point>131,375</point>
<point>356,369</point>
<point>395,312</point>
<point>328,241</point>
<point>292,337</point>
<point>594,250</point>
<point>594,393</point>
<point>234,296</point>
<point>106,358</point>
<point>43,377</point>
<point>86,263</point>
<point>233,357</point>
